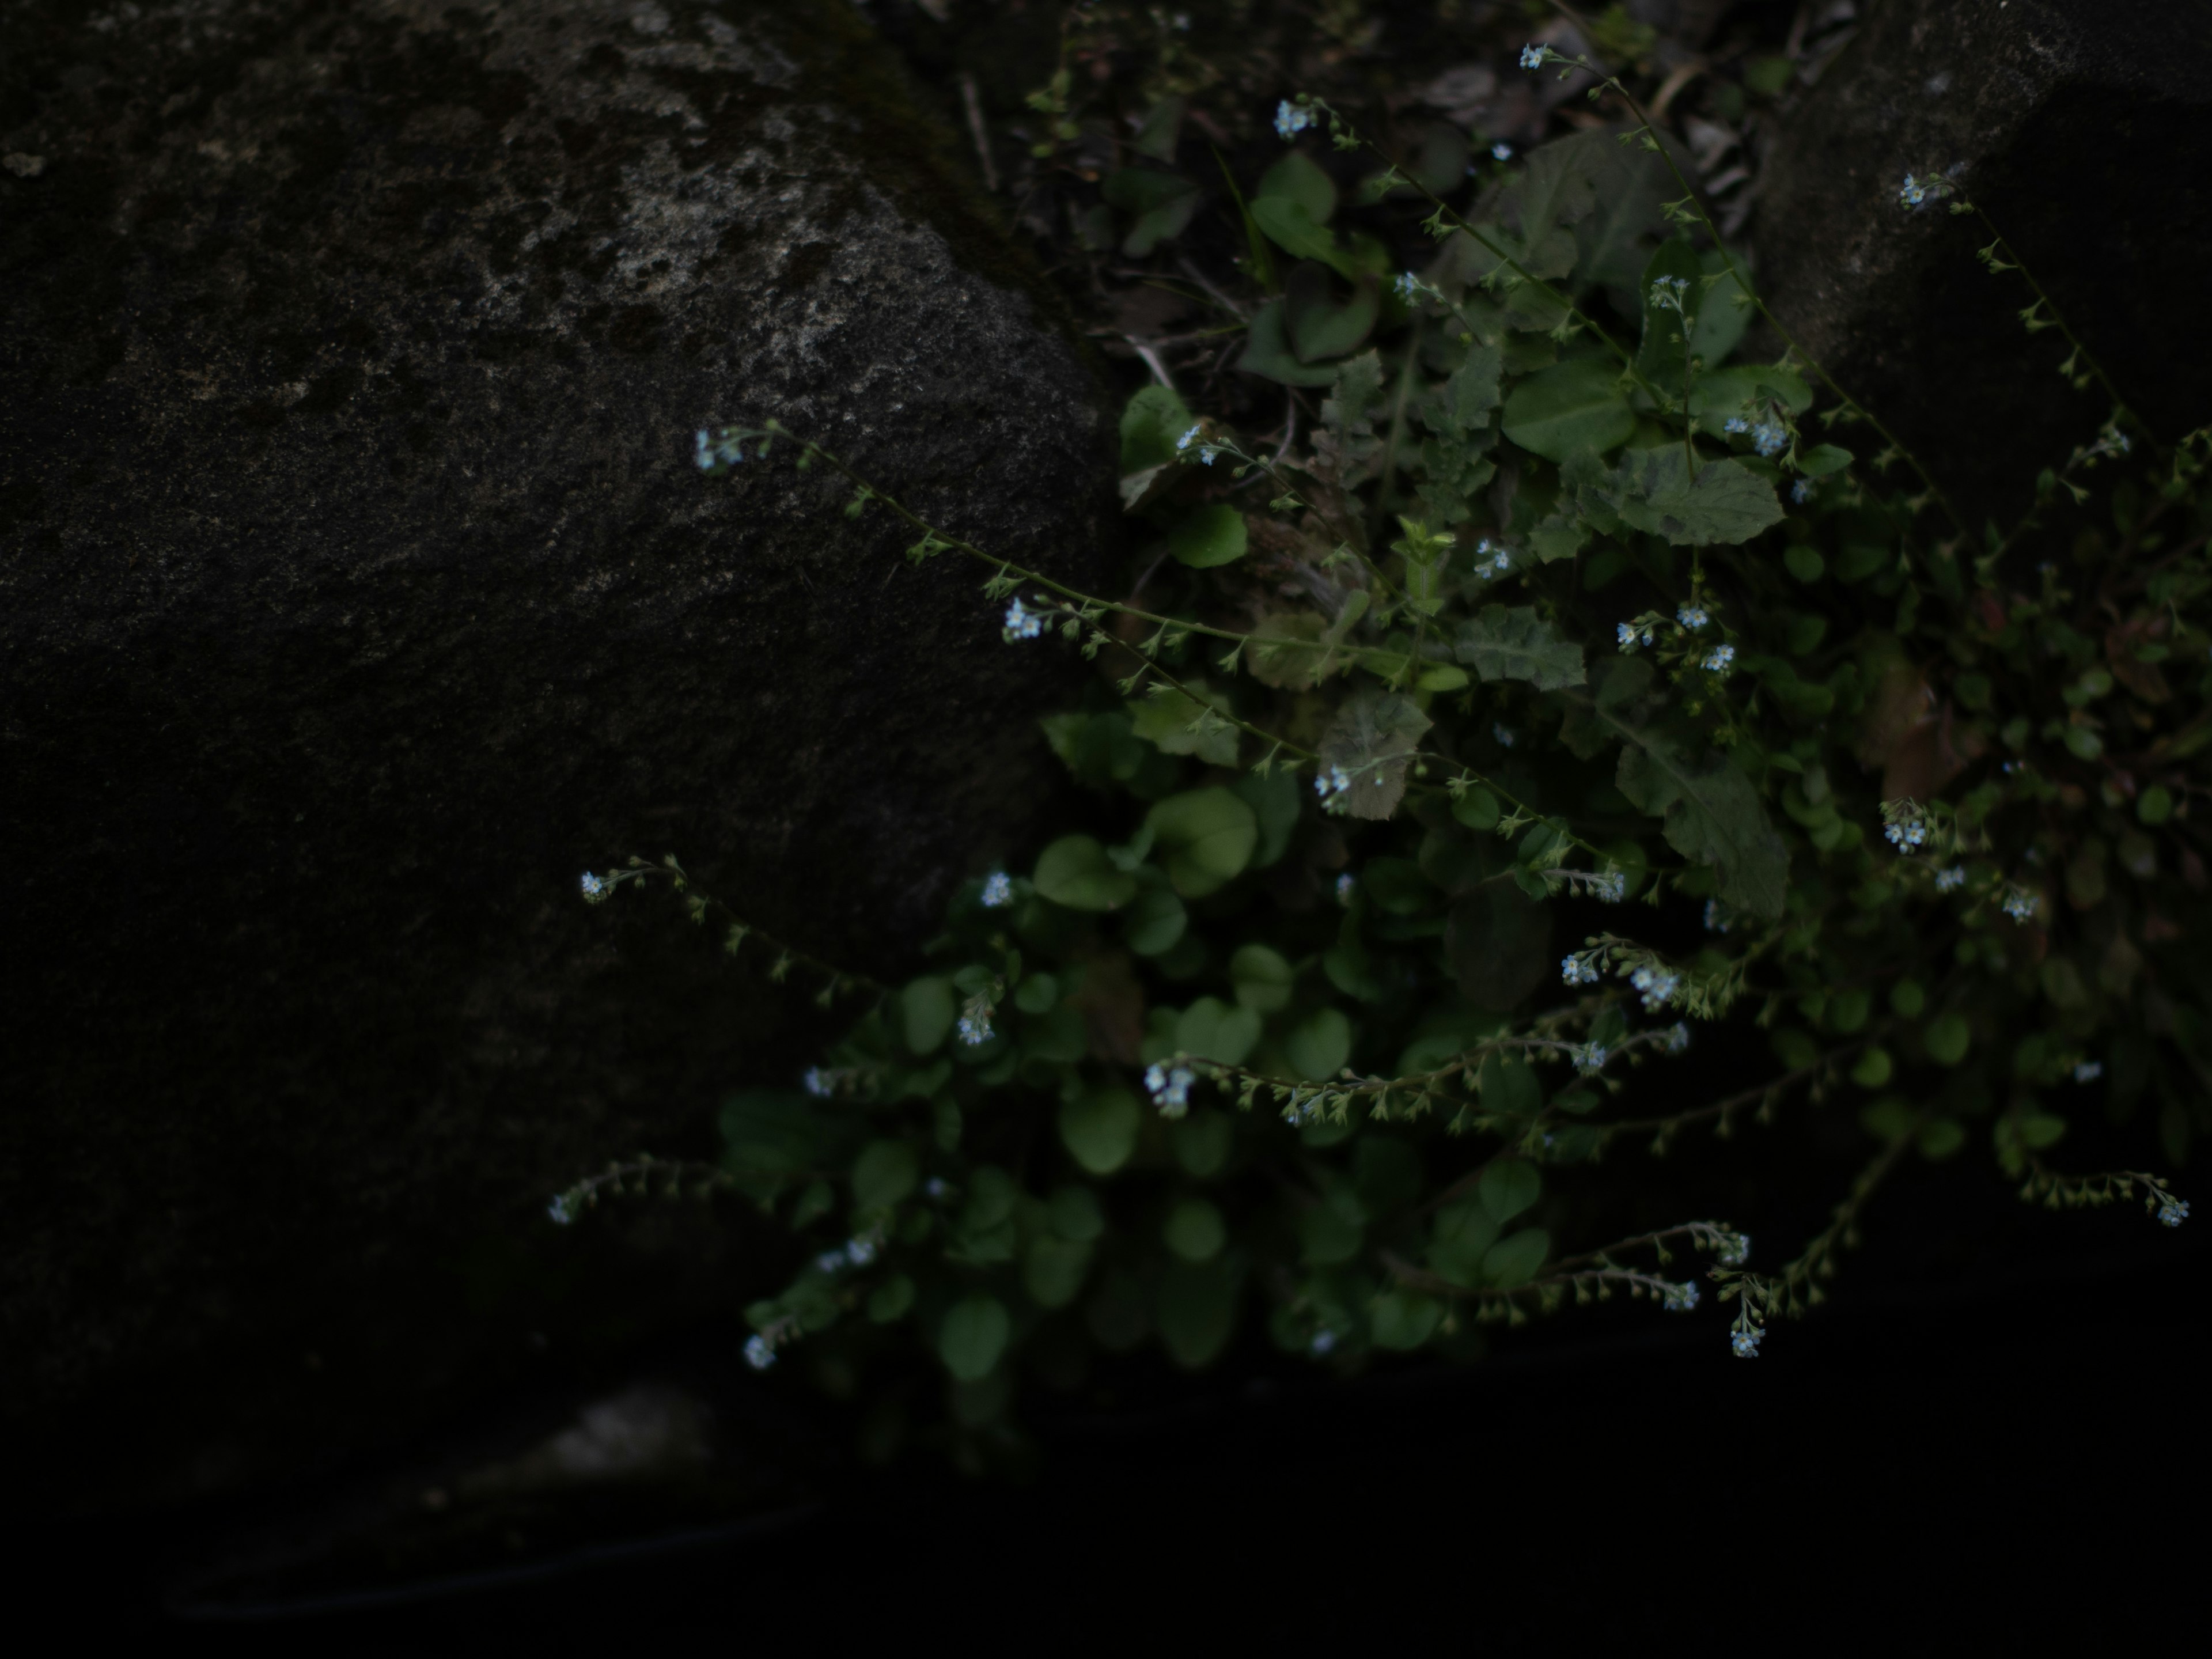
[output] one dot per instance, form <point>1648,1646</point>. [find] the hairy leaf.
<point>1519,645</point>
<point>1726,503</point>
<point>1372,741</point>
<point>1712,815</point>
<point>1576,405</point>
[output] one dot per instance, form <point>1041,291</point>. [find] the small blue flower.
<point>1611,886</point>
<point>1505,735</point>
<point>1801,491</point>
<point>1735,423</point>
<point>2174,1211</point>
<point>1322,1342</point>
<point>1170,1088</point>
<point>829,1262</point>
<point>818,1083</point>
<point>705,455</point>
<point>1678,1038</point>
<point>1907,835</point>
<point>1344,885</point>
<point>1912,193</point>
<point>859,1251</point>
<point>1658,986</point>
<point>1187,440</point>
<point>1291,120</point>
<point>1578,970</point>
<point>2021,905</point>
<point>1501,152</point>
<point>1330,784</point>
<point>1746,1343</point>
<point>1692,617</point>
<point>1021,622</point>
<point>1735,1251</point>
<point>1716,916</point>
<point>975,1027</point>
<point>1533,57</point>
<point>594,889</point>
<point>998,891</point>
<point>1719,658</point>
<point>561,1211</point>
<point>1590,1059</point>
<point>1408,286</point>
<point>2089,1071</point>
<point>1681,1298</point>
<point>1950,880</point>
<point>760,1352</point>
<point>1770,440</point>
<point>1626,636</point>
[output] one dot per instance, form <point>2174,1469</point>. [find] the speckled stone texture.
<point>358,591</point>
<point>2085,129</point>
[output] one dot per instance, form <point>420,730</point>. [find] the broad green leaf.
<point>1206,836</point>
<point>1099,1129</point>
<point>1626,181</point>
<point>1194,1229</point>
<point>1211,1030</point>
<point>1286,650</point>
<point>1197,1311</point>
<point>1509,1186</point>
<point>1075,872</point>
<point>1510,1087</point>
<point>1519,645</point>
<point>1157,138</point>
<point>1463,1235</point>
<point>1822,460</point>
<point>1297,177</point>
<point>1559,185</point>
<point>1099,750</point>
<point>771,1136</point>
<point>1268,352</point>
<point>1471,394</point>
<point>1576,405</point>
<point>1946,1038</point>
<point>973,1336</point>
<point>1512,1263</point>
<point>1054,1270</point>
<point>1273,798</point>
<point>1352,396</point>
<point>927,1011</point>
<point>1201,1142</point>
<point>1372,741</point>
<point>1726,313</point>
<point>1404,1319</point>
<point>1075,1214</point>
<point>1318,1045</point>
<point>1161,203</point>
<point>1151,421</point>
<point>1262,979</point>
<point>1154,923</point>
<point>1321,328</point>
<point>1727,503</point>
<point>1746,389</point>
<point>1178,724</point>
<point>1291,226</point>
<point>1211,536</point>
<point>1712,815</point>
<point>884,1173</point>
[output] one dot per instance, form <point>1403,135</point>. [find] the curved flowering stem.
<point>2066,1191</point>
<point>1650,135</point>
<point>1767,1094</point>
<point>699,904</point>
<point>634,1177</point>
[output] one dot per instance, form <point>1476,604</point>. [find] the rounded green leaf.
<point>1099,1129</point>
<point>1404,1319</point>
<point>1194,1231</point>
<point>2155,804</point>
<point>1075,872</point>
<point>884,1173</point>
<point>1939,1137</point>
<point>1151,421</point>
<point>1297,177</point>
<point>1576,405</point>
<point>1805,564</point>
<point>1512,1263</point>
<point>1508,1187</point>
<point>890,1299</point>
<point>1262,979</point>
<point>973,1336</point>
<point>1054,1270</point>
<point>925,1010</point>
<point>1201,1142</point>
<point>1205,839</point>
<point>1907,999</point>
<point>1946,1038</point>
<point>1074,1214</point>
<point>1211,1030</point>
<point>1153,925</point>
<point>1319,1044</point>
<point>1197,1311</point>
<point>1873,1069</point>
<point>1211,536</point>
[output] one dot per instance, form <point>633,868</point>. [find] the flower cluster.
<point>1332,785</point>
<point>1716,916</point>
<point>1589,1057</point>
<point>1535,56</point>
<point>1745,1341</point>
<point>1580,968</point>
<point>594,890</point>
<point>713,451</point>
<point>1678,1037</point>
<point>2173,1212</point>
<point>1170,1088</point>
<point>1906,827</point>
<point>760,1352</point>
<point>1952,879</point>
<point>998,890</point>
<point>560,1209</point>
<point>1719,659</point>
<point>1917,192</point>
<point>1692,617</point>
<point>1021,622</point>
<point>1668,293</point>
<point>1681,1298</point>
<point>1492,559</point>
<point>1630,635</point>
<point>2021,905</point>
<point>855,1253</point>
<point>1291,120</point>
<point>1206,452</point>
<point>1659,985</point>
<point>2089,1071</point>
<point>818,1083</point>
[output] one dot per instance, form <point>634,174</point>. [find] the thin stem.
<point>2057,318</point>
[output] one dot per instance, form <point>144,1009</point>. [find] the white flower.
<point>760,1352</point>
<point>1291,120</point>
<point>1021,622</point>
<point>998,891</point>
<point>1718,658</point>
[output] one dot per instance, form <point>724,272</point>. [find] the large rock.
<point>358,590</point>
<point>2085,129</point>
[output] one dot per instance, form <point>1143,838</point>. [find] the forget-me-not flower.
<point>1291,120</point>
<point>998,890</point>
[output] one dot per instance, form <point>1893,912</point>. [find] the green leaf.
<point>1262,979</point>
<point>890,1299</point>
<point>1273,798</point>
<point>1947,1037</point>
<point>1509,1186</point>
<point>1727,503</point>
<point>770,1136</point>
<point>1819,461</point>
<point>973,1336</point>
<point>1519,645</point>
<point>1075,1214</point>
<point>1211,1030</point>
<point>1297,177</point>
<point>1512,1263</point>
<point>1157,138</point>
<point>1211,536</point>
<point>1154,925</point>
<point>1321,328</point>
<point>1404,1319</point>
<point>1373,740</point>
<point>1161,203</point>
<point>1498,942</point>
<point>1576,405</point>
<point>1099,1129</point>
<point>1206,836</point>
<point>1510,1087</point>
<point>1151,421</point>
<point>1194,1231</point>
<point>1178,724</point>
<point>1268,352</point>
<point>1661,356</point>
<point>1291,226</point>
<point>1726,313</point>
<point>927,1011</point>
<point>1318,1045</point>
<point>1197,1311</point>
<point>1331,1231</point>
<point>1712,815</point>
<point>1471,393</point>
<point>1201,1142</point>
<point>1463,1235</point>
<point>1075,872</point>
<point>884,1173</point>
<point>1053,1270</point>
<point>1559,185</point>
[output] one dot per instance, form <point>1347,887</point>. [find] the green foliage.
<point>1905,813</point>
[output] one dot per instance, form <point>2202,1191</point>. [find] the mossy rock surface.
<point>358,590</point>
